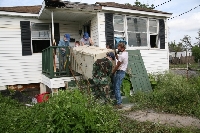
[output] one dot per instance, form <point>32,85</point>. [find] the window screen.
<point>137,31</point>
<point>137,24</point>
<point>153,26</point>
<point>40,31</point>
<point>137,39</point>
<point>119,23</point>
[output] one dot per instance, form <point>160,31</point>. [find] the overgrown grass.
<point>74,112</point>
<point>69,112</point>
<point>192,66</point>
<point>173,94</point>
<point>133,126</point>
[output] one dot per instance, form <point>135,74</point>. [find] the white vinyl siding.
<point>155,60</point>
<point>18,69</point>
<point>94,31</point>
<point>101,29</point>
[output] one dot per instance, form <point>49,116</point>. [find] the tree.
<point>198,38</point>
<point>196,53</point>
<point>196,48</point>
<point>173,47</point>
<point>139,4</point>
<point>186,41</point>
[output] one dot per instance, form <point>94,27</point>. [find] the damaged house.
<point>25,31</point>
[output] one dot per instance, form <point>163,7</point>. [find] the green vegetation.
<point>172,94</point>
<point>126,86</point>
<point>139,4</point>
<point>196,53</point>
<point>70,111</point>
<point>74,111</point>
<point>192,66</point>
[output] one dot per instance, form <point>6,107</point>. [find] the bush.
<point>70,111</point>
<point>196,53</point>
<point>173,94</point>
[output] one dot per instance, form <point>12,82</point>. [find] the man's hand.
<point>63,49</point>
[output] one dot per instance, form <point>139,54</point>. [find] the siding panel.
<point>18,69</point>
<point>155,60</point>
<point>101,29</point>
<point>94,31</point>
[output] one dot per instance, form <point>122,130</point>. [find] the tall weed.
<point>69,112</point>
<point>173,94</point>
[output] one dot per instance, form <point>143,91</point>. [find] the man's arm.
<point>116,55</point>
<point>91,42</point>
<point>116,67</point>
<point>82,44</point>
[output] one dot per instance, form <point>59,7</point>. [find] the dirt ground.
<point>165,119</point>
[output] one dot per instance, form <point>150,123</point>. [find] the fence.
<point>182,60</point>
<point>55,61</point>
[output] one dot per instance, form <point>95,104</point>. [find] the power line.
<point>163,3</point>
<point>185,12</point>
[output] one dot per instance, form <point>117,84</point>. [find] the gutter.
<point>3,13</point>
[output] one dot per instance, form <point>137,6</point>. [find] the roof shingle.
<point>123,6</point>
<point>22,9</point>
<point>77,5</point>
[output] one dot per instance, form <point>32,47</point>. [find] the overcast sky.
<point>187,24</point>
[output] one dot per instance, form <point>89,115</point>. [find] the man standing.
<point>64,43</point>
<point>119,72</point>
<point>102,69</point>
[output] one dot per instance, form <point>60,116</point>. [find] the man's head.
<point>111,55</point>
<point>108,46</point>
<point>67,37</point>
<point>86,36</point>
<point>77,43</point>
<point>121,47</point>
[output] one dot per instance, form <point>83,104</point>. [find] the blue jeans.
<point>119,76</point>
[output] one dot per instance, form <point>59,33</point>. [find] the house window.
<point>153,31</point>
<point>40,35</point>
<point>119,28</point>
<point>137,31</point>
<point>119,23</point>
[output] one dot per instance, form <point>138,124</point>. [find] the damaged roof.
<point>76,6</point>
<point>123,6</point>
<point>22,9</point>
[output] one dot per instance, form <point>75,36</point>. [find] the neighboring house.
<point>179,54</point>
<point>26,30</point>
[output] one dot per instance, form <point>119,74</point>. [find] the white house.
<point>26,30</point>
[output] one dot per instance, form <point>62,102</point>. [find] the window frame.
<point>122,32</point>
<point>31,23</point>
<point>141,47</point>
<point>157,33</point>
<point>125,32</point>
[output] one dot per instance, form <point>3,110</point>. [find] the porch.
<point>74,19</point>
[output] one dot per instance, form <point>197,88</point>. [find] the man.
<point>86,40</point>
<point>64,43</point>
<point>119,72</point>
<point>108,46</point>
<point>102,70</point>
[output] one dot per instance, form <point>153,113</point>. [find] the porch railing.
<point>55,62</point>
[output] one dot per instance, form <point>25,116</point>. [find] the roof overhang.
<point>69,12</point>
<point>135,12</point>
<point>4,13</point>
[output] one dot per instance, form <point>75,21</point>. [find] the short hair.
<point>122,45</point>
<point>110,47</point>
<point>77,42</point>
